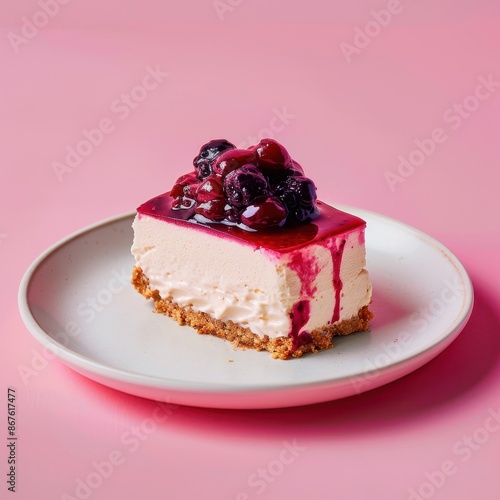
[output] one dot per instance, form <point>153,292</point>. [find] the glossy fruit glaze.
<point>330,222</point>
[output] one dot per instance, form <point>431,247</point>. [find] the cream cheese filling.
<point>255,288</point>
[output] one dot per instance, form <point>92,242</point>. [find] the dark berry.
<point>264,213</point>
<point>293,169</point>
<point>231,160</point>
<point>299,197</point>
<point>208,152</point>
<point>272,157</point>
<point>244,185</point>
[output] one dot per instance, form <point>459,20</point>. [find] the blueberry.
<point>298,194</point>
<point>208,152</point>
<point>244,185</point>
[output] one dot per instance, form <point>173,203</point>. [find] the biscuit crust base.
<point>279,348</point>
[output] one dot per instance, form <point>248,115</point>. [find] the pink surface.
<point>403,121</point>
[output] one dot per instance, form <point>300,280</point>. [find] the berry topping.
<point>184,192</point>
<point>259,187</point>
<point>211,200</point>
<point>231,160</point>
<point>299,196</point>
<point>244,185</point>
<point>272,157</point>
<point>262,214</point>
<point>294,168</point>
<point>208,152</point>
<point>181,183</point>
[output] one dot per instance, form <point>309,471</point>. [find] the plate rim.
<point>74,359</point>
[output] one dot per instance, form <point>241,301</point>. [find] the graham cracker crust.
<point>279,348</point>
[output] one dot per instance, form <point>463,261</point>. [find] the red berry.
<point>295,168</point>
<point>264,213</point>
<point>213,210</point>
<point>210,189</point>
<point>184,193</point>
<point>181,182</point>
<point>210,197</point>
<point>231,160</point>
<point>272,157</point>
<point>208,152</point>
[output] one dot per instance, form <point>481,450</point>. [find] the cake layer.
<point>288,282</point>
<point>280,347</point>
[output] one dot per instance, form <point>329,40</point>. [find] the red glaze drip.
<point>276,239</point>
<point>300,316</point>
<point>361,237</point>
<point>307,269</point>
<point>337,282</point>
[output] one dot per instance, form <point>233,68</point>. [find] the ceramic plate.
<point>77,301</point>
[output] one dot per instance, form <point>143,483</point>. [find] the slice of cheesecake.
<point>241,249</point>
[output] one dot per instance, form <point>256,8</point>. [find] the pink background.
<point>347,122</point>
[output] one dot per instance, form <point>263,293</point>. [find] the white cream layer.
<point>252,287</point>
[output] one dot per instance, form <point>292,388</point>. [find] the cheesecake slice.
<point>241,249</point>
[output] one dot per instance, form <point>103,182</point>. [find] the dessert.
<point>240,248</point>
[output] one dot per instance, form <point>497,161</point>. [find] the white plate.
<point>77,301</point>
